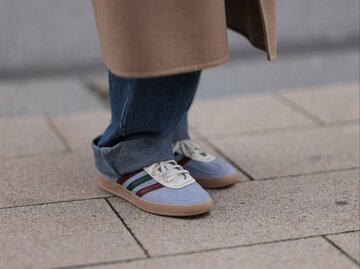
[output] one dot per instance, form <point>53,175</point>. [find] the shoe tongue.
<point>190,150</point>
<point>176,171</point>
<point>177,181</point>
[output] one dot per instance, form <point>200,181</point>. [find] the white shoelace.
<point>167,171</point>
<point>192,151</point>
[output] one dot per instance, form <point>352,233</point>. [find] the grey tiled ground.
<point>237,114</point>
<point>79,129</point>
<point>298,70</point>
<point>47,96</point>
<point>48,179</point>
<point>297,254</point>
<point>63,234</point>
<point>325,102</point>
<point>28,136</point>
<point>349,242</point>
<point>291,153</point>
<point>253,212</point>
<point>53,214</point>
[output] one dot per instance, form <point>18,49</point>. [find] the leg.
<point>181,131</point>
<point>135,153</point>
<point>144,114</point>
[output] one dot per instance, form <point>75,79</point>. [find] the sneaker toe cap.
<point>215,169</point>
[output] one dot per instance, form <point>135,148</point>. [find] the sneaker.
<point>163,188</point>
<point>208,171</point>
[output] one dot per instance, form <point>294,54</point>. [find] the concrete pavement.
<point>295,205</point>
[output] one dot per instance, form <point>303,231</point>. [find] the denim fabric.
<point>181,132</point>
<point>146,116</point>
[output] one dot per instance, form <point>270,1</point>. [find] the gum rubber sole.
<point>215,183</point>
<point>155,208</point>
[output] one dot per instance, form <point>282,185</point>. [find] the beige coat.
<point>146,38</point>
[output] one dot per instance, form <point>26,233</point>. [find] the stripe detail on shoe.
<point>148,189</point>
<point>121,180</point>
<point>144,185</point>
<point>183,161</point>
<point>138,182</point>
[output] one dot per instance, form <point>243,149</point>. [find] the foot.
<point>163,188</point>
<point>208,171</point>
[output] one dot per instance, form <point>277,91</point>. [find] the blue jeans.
<point>147,116</point>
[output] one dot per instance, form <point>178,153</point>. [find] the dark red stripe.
<point>183,161</point>
<point>125,177</point>
<point>148,189</point>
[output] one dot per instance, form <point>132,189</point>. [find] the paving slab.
<point>239,114</point>
<point>35,180</point>
<point>291,153</point>
<point>98,82</point>
<point>297,254</point>
<point>328,103</point>
<point>249,73</point>
<point>63,234</point>
<point>79,129</point>
<point>253,212</point>
<point>349,242</point>
<point>46,96</point>
<point>27,136</point>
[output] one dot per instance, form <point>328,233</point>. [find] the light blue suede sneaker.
<point>163,188</point>
<point>208,171</point>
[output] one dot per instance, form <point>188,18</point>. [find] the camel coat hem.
<point>269,54</point>
<point>141,39</point>
<point>167,71</point>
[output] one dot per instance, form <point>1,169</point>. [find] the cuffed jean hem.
<point>131,155</point>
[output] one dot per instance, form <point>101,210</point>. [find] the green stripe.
<point>138,182</point>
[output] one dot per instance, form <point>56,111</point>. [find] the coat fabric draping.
<point>147,38</point>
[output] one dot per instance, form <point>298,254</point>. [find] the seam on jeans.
<point>131,82</point>
<point>106,163</point>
